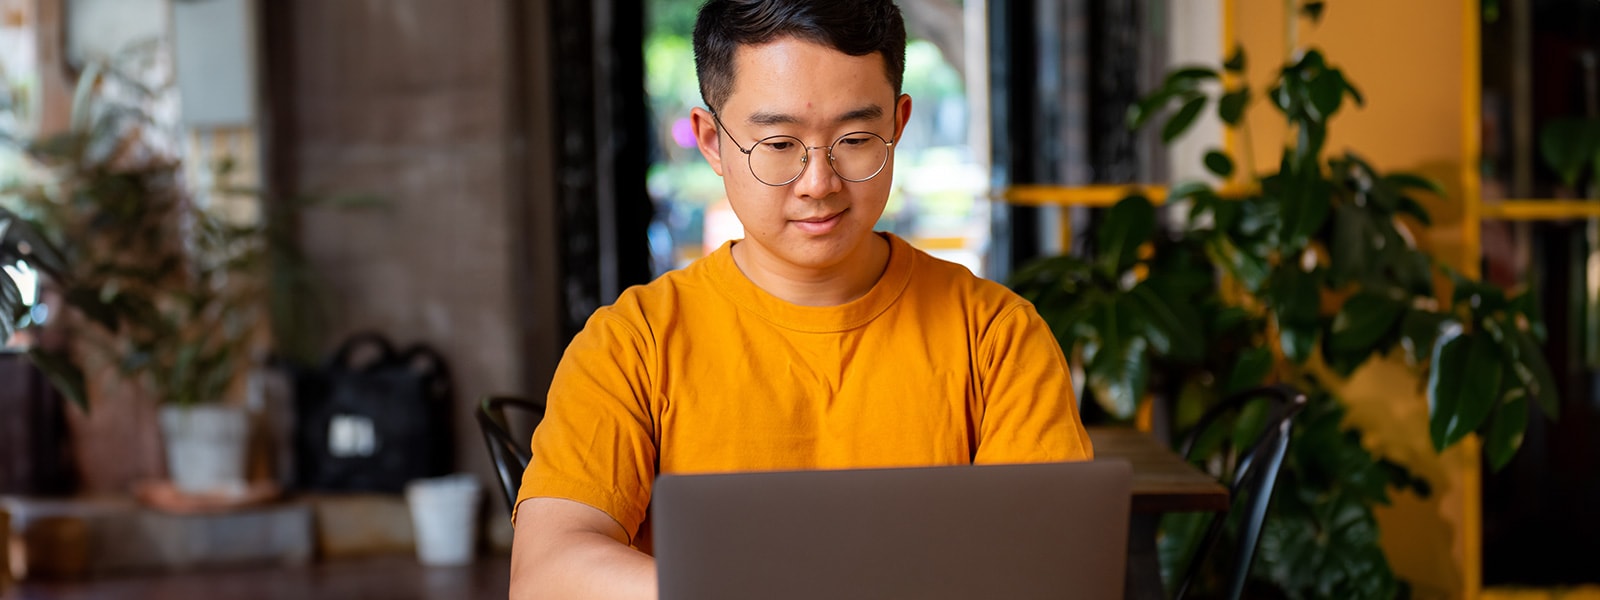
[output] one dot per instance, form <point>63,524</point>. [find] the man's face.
<point>816,94</point>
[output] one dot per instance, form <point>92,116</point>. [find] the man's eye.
<point>777,146</point>
<point>854,140</point>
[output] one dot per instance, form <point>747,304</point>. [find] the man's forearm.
<point>572,563</point>
<point>584,566</point>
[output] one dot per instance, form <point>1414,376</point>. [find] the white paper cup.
<point>444,515</point>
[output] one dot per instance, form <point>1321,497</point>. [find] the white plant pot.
<point>206,447</point>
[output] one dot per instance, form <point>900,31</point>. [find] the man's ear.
<point>904,111</point>
<point>707,137</point>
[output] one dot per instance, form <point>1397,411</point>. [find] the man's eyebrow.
<point>772,118</point>
<point>865,113</point>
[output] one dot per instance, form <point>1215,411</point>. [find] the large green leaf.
<point>1250,370</point>
<point>1404,181</point>
<point>1236,61</point>
<point>63,374</point>
<point>1171,320</point>
<point>1185,117</point>
<point>1219,164</point>
<point>1250,269</point>
<point>1526,304</point>
<point>1352,235</point>
<point>1365,318</point>
<point>1526,362</point>
<point>1119,371</point>
<point>1420,329</point>
<point>1297,340</point>
<point>1127,225</point>
<point>1188,189</point>
<point>10,306</point>
<point>1462,387</point>
<point>1187,77</point>
<point>1327,92</point>
<point>1313,10</point>
<point>1506,427</point>
<point>1411,270</point>
<point>1482,298</point>
<point>1306,207</point>
<point>1230,108</point>
<point>1140,112</point>
<point>1311,63</point>
<point>1355,94</point>
<point>1568,145</point>
<point>1260,219</point>
<point>1410,206</point>
<point>1310,139</point>
<point>1294,294</point>
<point>20,239</point>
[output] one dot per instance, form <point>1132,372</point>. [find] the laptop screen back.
<point>1052,530</point>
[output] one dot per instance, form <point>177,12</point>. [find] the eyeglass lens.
<point>780,159</point>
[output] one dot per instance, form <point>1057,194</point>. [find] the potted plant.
<point>160,284</point>
<point>1300,275</point>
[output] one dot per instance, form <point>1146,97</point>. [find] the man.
<point>811,343</point>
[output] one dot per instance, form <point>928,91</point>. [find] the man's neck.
<point>803,286</point>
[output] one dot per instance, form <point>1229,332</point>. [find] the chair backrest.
<point>1251,482</point>
<point>510,454</point>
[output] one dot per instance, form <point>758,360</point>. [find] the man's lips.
<point>820,224</point>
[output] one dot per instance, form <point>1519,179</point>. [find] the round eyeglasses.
<point>780,159</point>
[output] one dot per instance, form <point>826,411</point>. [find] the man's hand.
<point>565,549</point>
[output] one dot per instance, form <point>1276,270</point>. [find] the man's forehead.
<point>797,81</point>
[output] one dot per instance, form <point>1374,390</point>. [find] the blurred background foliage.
<point>1297,275</point>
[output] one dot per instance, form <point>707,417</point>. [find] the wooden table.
<point>1162,482</point>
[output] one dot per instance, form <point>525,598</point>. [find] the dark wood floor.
<point>385,578</point>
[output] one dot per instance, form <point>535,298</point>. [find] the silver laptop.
<point>1053,530</point>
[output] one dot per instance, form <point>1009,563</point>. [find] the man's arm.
<point>1030,412</point>
<point>565,549</point>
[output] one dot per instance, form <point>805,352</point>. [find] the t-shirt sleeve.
<point>1030,413</point>
<point>596,444</point>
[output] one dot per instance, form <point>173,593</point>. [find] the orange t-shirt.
<point>701,371</point>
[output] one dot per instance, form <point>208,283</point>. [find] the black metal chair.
<point>1250,482</point>
<point>510,453</point>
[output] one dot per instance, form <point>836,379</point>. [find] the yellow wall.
<point>1409,60</point>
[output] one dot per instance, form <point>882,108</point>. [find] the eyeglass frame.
<point>805,157</point>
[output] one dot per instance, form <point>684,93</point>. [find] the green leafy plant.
<point>1307,273</point>
<point>1571,147</point>
<point>168,290</point>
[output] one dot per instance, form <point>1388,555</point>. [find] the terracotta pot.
<point>117,443</point>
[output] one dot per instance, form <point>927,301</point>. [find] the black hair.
<point>854,27</point>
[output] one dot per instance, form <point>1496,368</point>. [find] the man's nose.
<point>818,180</point>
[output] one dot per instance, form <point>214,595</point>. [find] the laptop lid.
<point>1051,530</point>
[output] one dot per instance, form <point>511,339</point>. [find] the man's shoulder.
<point>664,295</point>
<point>939,278</point>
